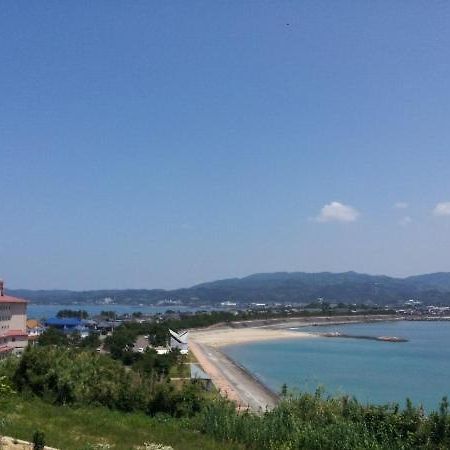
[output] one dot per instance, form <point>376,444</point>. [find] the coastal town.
<point>17,330</point>
<point>195,340</point>
<point>257,322</point>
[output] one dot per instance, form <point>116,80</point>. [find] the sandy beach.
<point>220,337</point>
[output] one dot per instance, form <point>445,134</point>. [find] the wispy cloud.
<point>442,209</point>
<point>405,221</point>
<point>401,205</point>
<point>337,212</point>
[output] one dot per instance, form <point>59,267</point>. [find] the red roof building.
<point>9,299</point>
<point>13,320</point>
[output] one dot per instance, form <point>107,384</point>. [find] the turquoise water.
<point>372,371</point>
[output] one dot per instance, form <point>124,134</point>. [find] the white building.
<point>13,324</point>
<point>162,350</point>
<point>179,341</point>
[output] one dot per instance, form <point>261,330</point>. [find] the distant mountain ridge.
<point>438,280</point>
<point>282,287</point>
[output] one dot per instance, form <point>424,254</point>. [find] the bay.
<point>372,371</point>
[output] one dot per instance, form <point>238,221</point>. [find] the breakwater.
<point>370,338</point>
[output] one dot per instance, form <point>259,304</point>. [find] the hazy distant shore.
<point>295,322</point>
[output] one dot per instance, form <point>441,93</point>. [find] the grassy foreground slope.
<point>82,428</point>
<point>306,422</point>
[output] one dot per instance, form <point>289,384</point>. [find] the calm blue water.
<point>379,372</point>
<point>37,311</point>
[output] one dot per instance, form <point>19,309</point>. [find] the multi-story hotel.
<point>13,324</point>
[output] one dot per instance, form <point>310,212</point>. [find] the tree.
<point>108,314</point>
<point>69,376</point>
<point>91,341</point>
<point>120,342</point>
<point>80,314</point>
<point>53,336</point>
<point>146,363</point>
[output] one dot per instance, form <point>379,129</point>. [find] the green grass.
<point>70,428</point>
<point>180,371</point>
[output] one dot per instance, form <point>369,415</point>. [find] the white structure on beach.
<point>179,341</point>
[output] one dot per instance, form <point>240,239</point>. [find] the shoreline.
<point>289,322</point>
<point>236,382</point>
<point>233,381</point>
<point>243,332</point>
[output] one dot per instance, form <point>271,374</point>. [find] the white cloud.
<point>401,205</point>
<point>337,212</point>
<point>442,209</point>
<point>405,221</point>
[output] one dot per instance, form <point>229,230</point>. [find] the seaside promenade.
<point>232,381</point>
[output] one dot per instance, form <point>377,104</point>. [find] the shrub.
<point>38,440</point>
<point>313,422</point>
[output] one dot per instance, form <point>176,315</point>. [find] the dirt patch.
<point>7,443</point>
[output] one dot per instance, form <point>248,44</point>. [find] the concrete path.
<point>234,382</point>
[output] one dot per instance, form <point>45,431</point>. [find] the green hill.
<point>282,287</point>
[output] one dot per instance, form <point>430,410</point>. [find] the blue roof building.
<point>68,325</point>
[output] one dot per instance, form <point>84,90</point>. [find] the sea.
<point>40,310</point>
<point>372,371</point>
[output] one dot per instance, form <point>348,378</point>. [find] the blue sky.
<point>161,144</point>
